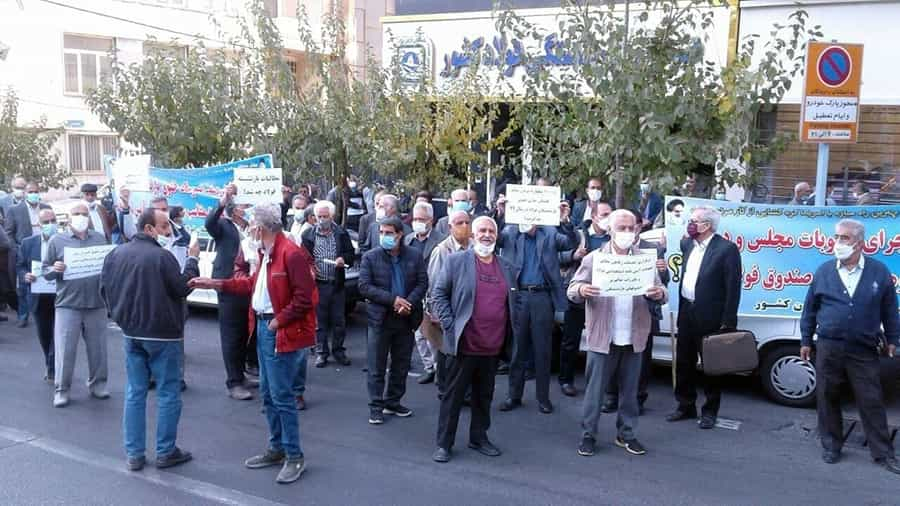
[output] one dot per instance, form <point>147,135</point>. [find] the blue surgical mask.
<point>163,240</point>
<point>388,242</point>
<point>462,205</point>
<point>48,229</point>
<point>33,198</point>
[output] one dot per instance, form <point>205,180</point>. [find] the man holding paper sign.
<point>80,310</point>
<point>615,282</point>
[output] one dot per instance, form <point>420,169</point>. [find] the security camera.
<point>4,51</point>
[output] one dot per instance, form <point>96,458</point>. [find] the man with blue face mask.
<point>22,222</point>
<point>34,250</point>
<point>459,201</point>
<point>393,280</point>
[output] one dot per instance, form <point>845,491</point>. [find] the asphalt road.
<point>74,455</point>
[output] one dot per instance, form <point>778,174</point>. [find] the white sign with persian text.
<point>532,205</point>
<point>623,275</point>
<point>257,186</point>
<point>84,262</point>
<point>41,284</point>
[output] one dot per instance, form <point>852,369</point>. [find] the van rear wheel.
<point>787,379</point>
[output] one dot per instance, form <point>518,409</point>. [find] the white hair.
<point>426,206</point>
<point>710,215</point>
<point>800,185</point>
<point>268,216</point>
<point>394,202</point>
<point>454,214</point>
<point>484,218</point>
<point>324,204</point>
<point>858,229</point>
<point>463,194</point>
<point>619,213</point>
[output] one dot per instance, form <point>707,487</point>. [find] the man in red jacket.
<point>283,308</point>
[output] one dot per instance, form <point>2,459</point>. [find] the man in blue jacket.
<point>393,280</point>
<point>849,302</point>
<point>153,327</point>
<point>34,249</point>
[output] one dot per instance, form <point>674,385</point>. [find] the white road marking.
<point>201,489</point>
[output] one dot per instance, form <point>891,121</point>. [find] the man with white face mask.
<point>617,331</point>
<point>80,309</point>
<point>101,220</point>
<point>851,308</point>
<point>474,300</point>
<point>585,207</point>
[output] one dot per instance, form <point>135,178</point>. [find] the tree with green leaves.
<point>640,98</point>
<point>28,150</point>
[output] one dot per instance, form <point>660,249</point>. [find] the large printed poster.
<point>782,247</point>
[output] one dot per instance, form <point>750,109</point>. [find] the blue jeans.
<point>23,294</point>
<point>300,378</point>
<point>163,360</point>
<point>277,374</point>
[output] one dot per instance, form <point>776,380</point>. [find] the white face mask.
<point>595,195</point>
<point>603,224</point>
<point>419,227</point>
<point>524,229</point>
<point>79,223</point>
<point>484,250</point>
<point>843,251</point>
<point>379,214</point>
<point>18,194</point>
<point>645,187</point>
<point>352,185</point>
<point>624,240</point>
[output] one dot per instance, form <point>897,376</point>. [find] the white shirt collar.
<point>704,243</point>
<point>859,266</point>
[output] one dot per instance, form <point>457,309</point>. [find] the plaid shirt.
<point>325,248</point>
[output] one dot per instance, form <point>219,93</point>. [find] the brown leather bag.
<point>729,352</point>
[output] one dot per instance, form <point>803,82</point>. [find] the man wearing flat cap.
<point>101,220</point>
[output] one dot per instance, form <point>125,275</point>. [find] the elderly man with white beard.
<point>617,330</point>
<point>473,301</point>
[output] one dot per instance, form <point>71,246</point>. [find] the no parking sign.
<point>830,108</point>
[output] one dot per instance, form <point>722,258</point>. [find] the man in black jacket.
<point>153,326</point>
<point>224,226</point>
<point>393,280</point>
<point>710,294</point>
<point>330,247</point>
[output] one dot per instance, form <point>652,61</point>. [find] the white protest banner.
<point>532,205</point>
<point>84,262</point>
<point>618,275</point>
<point>257,186</point>
<point>132,172</point>
<point>41,284</point>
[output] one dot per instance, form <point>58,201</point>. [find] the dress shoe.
<point>545,407</point>
<point>510,404</point>
<point>441,455</point>
<point>301,403</point>
<point>136,463</point>
<point>342,359</point>
<point>239,393</point>
<point>707,421</point>
<point>176,457</point>
<point>426,378</point>
<point>321,361</point>
<point>682,414</point>
<point>568,390</point>
<point>831,457</point>
<point>485,448</point>
<point>610,406</point>
<point>889,463</point>
<point>60,399</point>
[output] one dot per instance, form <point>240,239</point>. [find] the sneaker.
<point>176,457</point>
<point>60,399</point>
<point>270,458</point>
<point>100,393</point>
<point>586,448</point>
<point>397,410</point>
<point>376,416</point>
<point>291,470</point>
<point>239,393</point>
<point>136,463</point>
<point>632,446</point>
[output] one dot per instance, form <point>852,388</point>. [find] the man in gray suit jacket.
<point>473,299</point>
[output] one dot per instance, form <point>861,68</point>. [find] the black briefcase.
<point>729,352</point>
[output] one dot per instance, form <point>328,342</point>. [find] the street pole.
<point>822,173</point>
<point>620,173</point>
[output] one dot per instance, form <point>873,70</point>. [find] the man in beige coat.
<point>617,330</point>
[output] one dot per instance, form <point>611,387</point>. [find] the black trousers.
<point>838,364</point>
<point>233,332</point>
<point>465,372</point>
<point>573,325</point>
<point>440,372</point>
<point>688,349</point>
<point>330,319</point>
<point>395,338</point>
<point>612,389</point>
<point>534,333</point>
<point>45,319</point>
